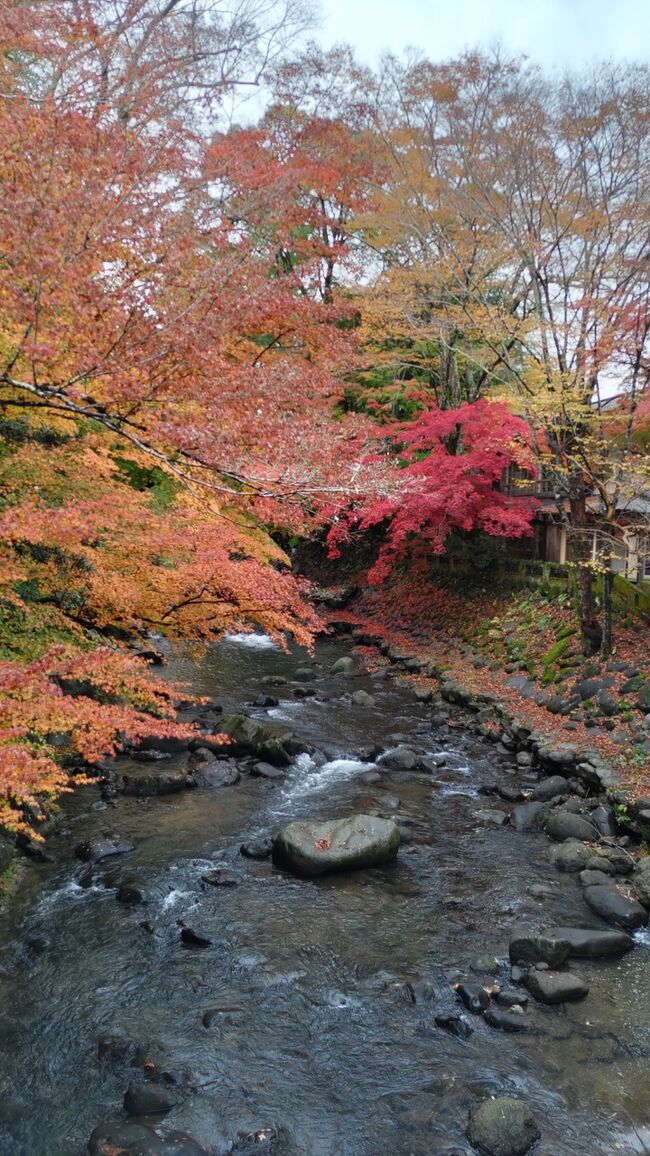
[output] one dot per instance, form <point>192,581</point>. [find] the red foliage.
<point>452,461</point>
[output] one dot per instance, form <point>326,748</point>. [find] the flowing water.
<point>312,1031</point>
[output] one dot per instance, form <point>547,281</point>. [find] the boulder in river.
<point>129,1139</point>
<point>455,1024</point>
<point>154,783</point>
<point>346,666</point>
<point>615,907</point>
<point>251,736</point>
<point>527,946</point>
<point>401,758</point>
<point>529,816</point>
<point>313,848</point>
<point>94,850</point>
<point>218,773</point>
<point>220,877</point>
<point>149,1100</point>
<point>590,943</point>
<point>131,892</point>
<point>507,1021</point>
<point>362,698</point>
<point>190,937</point>
<point>266,771</point>
<point>641,881</point>
<point>502,1127</point>
<point>474,997</point>
<point>555,986</point>
<point>549,789</point>
<point>561,825</point>
<point>256,849</point>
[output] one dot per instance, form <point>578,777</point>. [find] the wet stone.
<point>94,850</point>
<point>553,987</point>
<point>615,907</point>
<point>311,849</point>
<point>256,849</point>
<point>507,1021</point>
<point>266,771</point>
<point>131,892</point>
<point>476,999</point>
<point>193,938</point>
<point>220,877</point>
<point>509,997</point>
<point>527,946</point>
<point>149,1100</point>
<point>456,1025</point>
<point>549,789</point>
<point>493,818</point>
<point>561,825</point>
<point>529,816</point>
<point>594,878</point>
<point>592,943</point>
<point>503,1127</point>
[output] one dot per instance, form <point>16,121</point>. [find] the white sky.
<point>551,32</point>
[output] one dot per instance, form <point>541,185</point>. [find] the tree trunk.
<point>608,589</point>
<point>590,628</point>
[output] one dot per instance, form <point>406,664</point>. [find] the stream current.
<point>313,1030</point>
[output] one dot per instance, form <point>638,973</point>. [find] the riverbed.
<point>319,996</point>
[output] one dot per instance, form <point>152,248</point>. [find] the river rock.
<point>362,698</point>
<point>502,1127</point>
<point>123,1138</point>
<point>475,998</point>
<point>528,946</point>
<point>149,1100</point>
<point>334,597</point>
<point>588,943</point>
<point>346,666</point>
<point>264,701</point>
<point>131,892</point>
<point>218,773</point>
<point>529,816</point>
<point>94,850</point>
<point>549,789</point>
<point>154,783</point>
<point>130,1139</point>
<point>603,818</point>
<point>456,1025</point>
<point>400,758</point>
<point>561,825</point>
<point>192,938</point>
<point>615,907</point>
<point>555,986</point>
<point>256,849</point>
<point>251,736</point>
<point>507,1021</point>
<point>594,878</point>
<point>220,877</point>
<point>266,771</point>
<point>641,881</point>
<point>508,997</point>
<point>614,860</point>
<point>309,848</point>
<point>304,674</point>
<point>491,816</point>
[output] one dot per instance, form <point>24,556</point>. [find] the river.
<point>313,1030</point>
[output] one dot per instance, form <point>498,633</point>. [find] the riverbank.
<point>523,650</point>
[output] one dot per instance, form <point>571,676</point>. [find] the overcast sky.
<point>551,32</point>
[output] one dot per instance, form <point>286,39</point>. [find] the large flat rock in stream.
<point>589,943</point>
<point>309,848</point>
